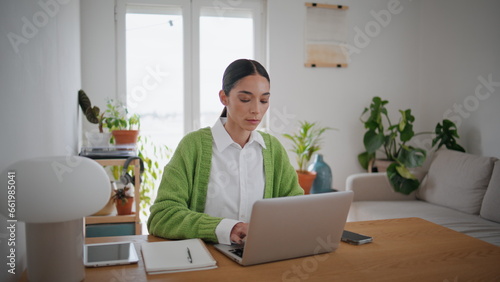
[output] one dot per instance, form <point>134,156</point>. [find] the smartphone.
<point>355,238</point>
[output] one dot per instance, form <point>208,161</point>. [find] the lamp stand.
<point>55,251</point>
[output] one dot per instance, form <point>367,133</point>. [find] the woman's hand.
<point>239,232</point>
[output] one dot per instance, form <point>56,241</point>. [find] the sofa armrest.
<point>374,187</point>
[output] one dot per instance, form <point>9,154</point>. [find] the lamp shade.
<point>54,189</point>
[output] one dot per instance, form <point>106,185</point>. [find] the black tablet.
<point>104,254</point>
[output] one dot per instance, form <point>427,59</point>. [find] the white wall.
<point>98,53</point>
<point>386,65</point>
<point>427,58</point>
<point>459,47</point>
<point>40,78</point>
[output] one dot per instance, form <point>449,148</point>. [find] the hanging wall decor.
<point>325,35</point>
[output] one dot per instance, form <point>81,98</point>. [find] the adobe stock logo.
<point>463,110</point>
<point>280,120</point>
<point>308,265</point>
<point>70,163</point>
<point>483,90</point>
<point>149,83</point>
<point>372,29</point>
<point>40,19</point>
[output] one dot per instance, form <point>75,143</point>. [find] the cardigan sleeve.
<point>283,181</point>
<point>178,209</point>
<point>290,180</point>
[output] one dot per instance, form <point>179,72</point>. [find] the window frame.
<point>191,15</point>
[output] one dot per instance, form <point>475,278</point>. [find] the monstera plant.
<point>392,140</point>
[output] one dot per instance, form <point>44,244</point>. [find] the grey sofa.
<point>459,191</point>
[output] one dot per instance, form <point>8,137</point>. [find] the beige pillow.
<point>491,202</point>
<point>457,180</point>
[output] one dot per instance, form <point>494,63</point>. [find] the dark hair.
<point>237,70</point>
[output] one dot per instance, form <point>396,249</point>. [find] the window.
<point>222,39</point>
<point>171,57</point>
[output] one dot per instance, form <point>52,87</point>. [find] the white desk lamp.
<point>52,195</point>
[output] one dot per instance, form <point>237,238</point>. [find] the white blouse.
<point>236,179</point>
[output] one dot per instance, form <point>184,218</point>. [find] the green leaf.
<point>456,147</point>
<point>306,142</point>
<point>372,125</point>
<point>402,121</point>
<point>411,157</point>
<point>404,172</point>
<point>373,141</point>
<point>92,115</point>
<point>407,186</point>
<point>364,111</point>
<point>445,135</point>
<point>407,133</point>
<point>365,158</point>
<point>405,126</point>
<point>399,183</point>
<point>409,117</point>
<point>383,111</point>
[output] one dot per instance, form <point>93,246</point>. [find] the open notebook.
<point>176,256</point>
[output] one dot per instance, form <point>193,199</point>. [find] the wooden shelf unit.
<point>113,218</point>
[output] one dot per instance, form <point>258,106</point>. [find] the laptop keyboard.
<point>238,252</point>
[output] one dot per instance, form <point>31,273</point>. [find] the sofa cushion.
<point>457,180</point>
<point>468,224</point>
<point>491,202</point>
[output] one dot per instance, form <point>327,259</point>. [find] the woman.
<point>216,174</point>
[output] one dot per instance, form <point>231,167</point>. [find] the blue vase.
<point>323,181</point>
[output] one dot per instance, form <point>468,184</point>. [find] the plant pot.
<point>98,139</point>
<point>123,137</point>
<point>124,208</point>
<point>306,180</point>
<point>382,165</point>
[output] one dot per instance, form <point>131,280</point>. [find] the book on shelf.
<point>111,151</point>
<point>176,256</point>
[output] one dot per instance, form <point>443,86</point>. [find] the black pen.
<point>190,259</point>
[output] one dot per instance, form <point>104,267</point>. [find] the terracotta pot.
<point>123,137</point>
<point>306,180</point>
<point>124,208</point>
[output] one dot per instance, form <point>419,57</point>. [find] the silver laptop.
<point>291,227</point>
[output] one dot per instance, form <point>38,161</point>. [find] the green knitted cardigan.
<point>178,211</point>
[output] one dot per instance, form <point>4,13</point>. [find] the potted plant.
<point>445,135</point>
<point>123,200</point>
<point>93,114</point>
<point>154,156</point>
<point>382,133</point>
<point>305,143</point>
<point>393,139</point>
<point>124,127</point>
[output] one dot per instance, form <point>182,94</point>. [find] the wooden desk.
<point>409,249</point>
